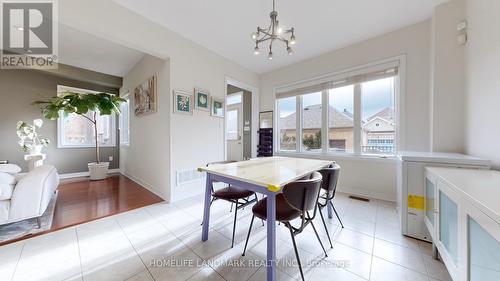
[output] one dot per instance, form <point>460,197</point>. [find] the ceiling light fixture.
<point>273,32</point>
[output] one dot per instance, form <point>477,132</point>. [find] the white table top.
<point>271,172</point>
<point>481,187</point>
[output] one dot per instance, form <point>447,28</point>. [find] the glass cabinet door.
<point>448,225</point>
<point>429,201</point>
<point>484,254</point>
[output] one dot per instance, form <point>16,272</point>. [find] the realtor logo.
<point>29,34</point>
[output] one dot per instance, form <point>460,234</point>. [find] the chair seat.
<point>232,193</point>
<point>284,212</point>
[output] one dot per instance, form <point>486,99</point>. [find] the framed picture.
<point>266,119</point>
<point>145,97</point>
<point>183,102</point>
<point>201,99</point>
<point>217,108</point>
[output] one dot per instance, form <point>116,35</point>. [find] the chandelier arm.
<point>266,33</point>
<point>263,40</point>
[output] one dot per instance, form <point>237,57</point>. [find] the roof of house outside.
<point>386,113</point>
<point>312,117</point>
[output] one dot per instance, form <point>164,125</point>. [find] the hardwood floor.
<point>81,200</point>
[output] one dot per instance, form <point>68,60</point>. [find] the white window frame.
<point>60,125</point>
<point>399,99</point>
<point>124,127</point>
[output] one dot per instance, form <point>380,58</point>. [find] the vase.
<point>37,149</point>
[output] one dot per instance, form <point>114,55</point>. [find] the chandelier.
<point>272,33</point>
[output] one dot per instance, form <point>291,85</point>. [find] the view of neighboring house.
<point>377,130</point>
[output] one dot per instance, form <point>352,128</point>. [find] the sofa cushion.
<point>7,178</point>
<point>6,191</point>
<point>4,210</point>
<point>10,168</point>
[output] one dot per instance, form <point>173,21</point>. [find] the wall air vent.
<point>188,176</point>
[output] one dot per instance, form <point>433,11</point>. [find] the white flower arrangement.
<point>29,139</point>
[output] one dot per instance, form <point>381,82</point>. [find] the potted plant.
<point>81,104</point>
<point>29,139</point>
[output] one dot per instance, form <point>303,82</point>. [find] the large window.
<point>340,119</point>
<point>351,114</point>
<point>378,124</point>
<point>76,131</point>
<point>287,124</point>
<point>311,122</point>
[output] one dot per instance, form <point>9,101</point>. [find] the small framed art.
<point>201,99</point>
<point>183,102</point>
<point>217,108</point>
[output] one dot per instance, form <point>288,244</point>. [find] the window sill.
<point>340,156</point>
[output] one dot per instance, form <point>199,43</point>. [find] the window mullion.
<point>298,132</point>
<point>357,118</point>
<point>324,122</point>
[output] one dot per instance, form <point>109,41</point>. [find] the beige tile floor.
<point>162,242</point>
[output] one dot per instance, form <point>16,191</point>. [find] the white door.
<point>234,132</point>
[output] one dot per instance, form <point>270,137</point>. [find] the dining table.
<point>267,176</point>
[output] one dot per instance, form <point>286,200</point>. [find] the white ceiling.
<point>84,50</point>
<point>224,26</point>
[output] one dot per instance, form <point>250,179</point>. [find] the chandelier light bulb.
<point>280,30</point>
<point>256,50</point>
<point>289,50</point>
<point>254,36</point>
<point>270,56</point>
<point>292,40</point>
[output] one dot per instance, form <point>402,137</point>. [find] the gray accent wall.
<point>18,88</point>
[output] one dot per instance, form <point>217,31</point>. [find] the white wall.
<point>483,80</point>
<point>194,140</point>
<point>373,177</point>
<point>147,158</point>
<point>447,79</point>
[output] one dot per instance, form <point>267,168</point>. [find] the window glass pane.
<point>378,123</point>
<point>311,122</point>
<point>76,129</point>
<point>233,99</point>
<point>232,124</point>
<point>340,119</point>
<point>287,123</point>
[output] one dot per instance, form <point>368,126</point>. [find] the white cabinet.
<point>482,252</point>
<point>462,215</point>
<point>411,186</point>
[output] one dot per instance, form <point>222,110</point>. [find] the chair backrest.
<point>303,194</point>
<point>330,179</point>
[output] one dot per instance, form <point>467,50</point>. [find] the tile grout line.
<point>79,252</point>
<point>135,250</point>
<point>17,263</point>
<point>373,245</point>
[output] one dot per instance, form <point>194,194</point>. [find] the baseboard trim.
<point>365,193</point>
<point>144,184</point>
<point>84,174</point>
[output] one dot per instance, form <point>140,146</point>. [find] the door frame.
<point>239,109</point>
<point>255,111</point>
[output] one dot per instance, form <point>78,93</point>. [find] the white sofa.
<point>30,196</point>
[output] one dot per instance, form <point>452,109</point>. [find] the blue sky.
<point>377,95</point>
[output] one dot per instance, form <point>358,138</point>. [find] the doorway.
<point>238,123</point>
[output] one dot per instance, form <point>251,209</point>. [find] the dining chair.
<point>296,201</point>
<point>329,185</point>
<point>233,194</point>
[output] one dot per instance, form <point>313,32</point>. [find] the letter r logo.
<point>27,28</point>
